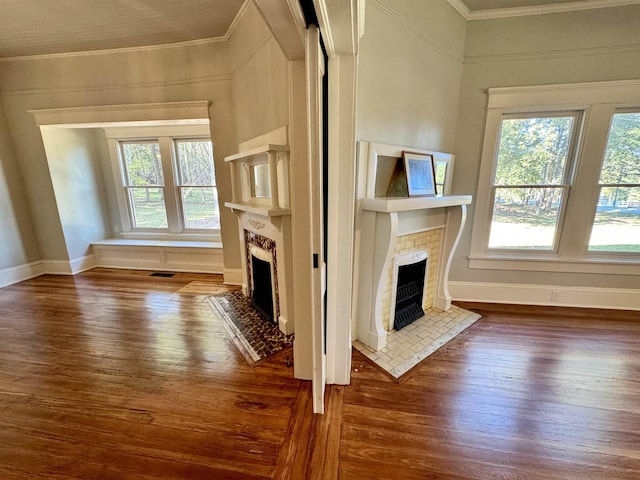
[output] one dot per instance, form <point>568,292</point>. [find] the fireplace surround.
<point>391,226</point>
<point>260,199</point>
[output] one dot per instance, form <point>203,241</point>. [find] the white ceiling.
<point>34,27</point>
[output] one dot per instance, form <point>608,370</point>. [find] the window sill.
<point>613,265</point>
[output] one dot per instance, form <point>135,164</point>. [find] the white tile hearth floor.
<point>415,342</point>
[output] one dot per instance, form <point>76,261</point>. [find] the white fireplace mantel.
<point>382,222</point>
<point>260,199</point>
<point>405,204</point>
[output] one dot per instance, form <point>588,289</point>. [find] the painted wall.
<point>17,237</point>
<point>260,78</point>
<point>409,73</point>
<point>197,71</point>
<point>76,175</point>
<point>592,45</point>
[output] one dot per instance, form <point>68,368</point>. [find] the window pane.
<point>622,155</point>
<point>147,205</point>
<point>533,151</point>
<point>200,207</point>
<point>525,218</point>
<point>196,162</point>
<point>142,163</point>
<point>617,223</point>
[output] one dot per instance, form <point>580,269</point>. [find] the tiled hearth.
<point>256,337</point>
<point>412,344</point>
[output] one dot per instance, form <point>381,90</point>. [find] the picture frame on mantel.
<point>421,175</point>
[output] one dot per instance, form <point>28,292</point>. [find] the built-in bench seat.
<point>171,255</point>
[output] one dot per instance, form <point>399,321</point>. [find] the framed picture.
<point>421,176</point>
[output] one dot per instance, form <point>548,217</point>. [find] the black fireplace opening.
<point>409,294</point>
<point>262,295</point>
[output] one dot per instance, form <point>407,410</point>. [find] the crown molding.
<point>236,21</point>
<point>575,6</point>
<point>460,7</point>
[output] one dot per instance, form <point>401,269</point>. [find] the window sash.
<point>559,222</point>
<point>564,184</point>
<point>175,218</point>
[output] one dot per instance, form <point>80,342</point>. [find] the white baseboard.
<point>69,267</point>
<point>232,276</point>
<point>158,257</point>
<point>20,273</point>
<point>551,295</point>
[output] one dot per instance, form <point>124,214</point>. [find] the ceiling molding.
<point>236,20</point>
<point>460,7</point>
<point>576,6</point>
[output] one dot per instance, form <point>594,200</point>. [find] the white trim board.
<point>69,267</point>
<point>551,295</point>
<point>232,276</point>
<point>20,273</point>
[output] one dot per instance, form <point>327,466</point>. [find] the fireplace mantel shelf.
<point>259,209</point>
<point>405,204</point>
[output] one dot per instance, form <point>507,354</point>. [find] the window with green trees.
<point>144,184</point>
<point>169,184</point>
<point>616,226</point>
<point>531,180</point>
<point>197,184</point>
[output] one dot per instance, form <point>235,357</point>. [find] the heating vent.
<point>407,315</point>
<point>162,274</point>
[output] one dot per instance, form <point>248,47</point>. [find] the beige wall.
<point>409,73</point>
<point>260,85</point>
<point>592,45</point>
<point>17,237</point>
<point>244,78</point>
<point>76,174</point>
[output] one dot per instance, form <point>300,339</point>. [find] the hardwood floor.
<point>113,374</point>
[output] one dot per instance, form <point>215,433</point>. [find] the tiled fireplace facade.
<point>428,241</point>
<point>269,246</point>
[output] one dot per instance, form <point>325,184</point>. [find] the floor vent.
<point>162,274</point>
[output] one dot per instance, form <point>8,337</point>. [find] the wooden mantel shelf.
<point>256,152</point>
<point>264,210</point>
<point>405,204</point>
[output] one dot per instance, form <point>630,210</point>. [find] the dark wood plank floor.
<point>114,374</point>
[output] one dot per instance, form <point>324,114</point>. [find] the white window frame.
<point>598,101</point>
<point>165,136</point>
<point>601,185</point>
<point>567,178</point>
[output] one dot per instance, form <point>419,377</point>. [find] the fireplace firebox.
<point>409,294</point>
<point>262,295</point>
